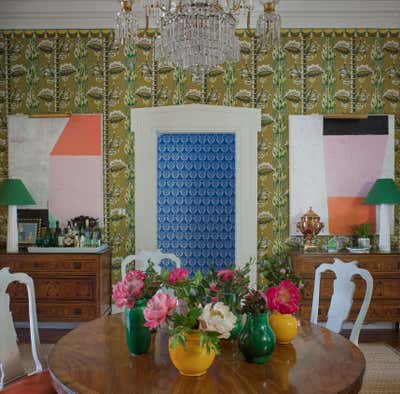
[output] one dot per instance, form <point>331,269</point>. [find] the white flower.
<point>217,317</point>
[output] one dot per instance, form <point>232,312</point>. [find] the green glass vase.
<point>138,336</point>
<point>257,340</point>
<point>237,327</point>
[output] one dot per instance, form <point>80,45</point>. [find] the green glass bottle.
<point>46,238</point>
<point>257,340</point>
<point>138,336</point>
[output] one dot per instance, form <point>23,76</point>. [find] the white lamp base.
<point>12,233</point>
<point>384,227</point>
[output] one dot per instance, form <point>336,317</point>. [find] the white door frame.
<point>148,123</point>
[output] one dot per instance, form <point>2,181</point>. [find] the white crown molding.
<point>81,14</point>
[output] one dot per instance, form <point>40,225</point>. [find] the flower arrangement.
<point>229,286</point>
<point>283,298</point>
<point>255,302</point>
<point>256,339</point>
<point>275,270</point>
<point>136,285</point>
<point>188,316</point>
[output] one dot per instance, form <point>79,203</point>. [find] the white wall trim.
<point>84,14</point>
<point>148,123</point>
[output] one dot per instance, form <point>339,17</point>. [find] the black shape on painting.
<point>374,125</point>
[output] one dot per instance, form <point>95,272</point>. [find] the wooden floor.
<point>391,337</point>
<point>46,335</point>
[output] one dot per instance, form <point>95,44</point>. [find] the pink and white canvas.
<point>334,173</point>
<point>60,162</point>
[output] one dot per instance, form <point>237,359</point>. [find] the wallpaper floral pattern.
<point>313,71</point>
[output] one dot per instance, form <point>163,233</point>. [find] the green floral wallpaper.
<point>313,71</point>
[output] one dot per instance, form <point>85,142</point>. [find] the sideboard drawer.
<point>55,312</point>
<point>78,289</point>
<point>384,288</point>
<point>35,263</point>
<point>379,311</point>
<point>306,264</point>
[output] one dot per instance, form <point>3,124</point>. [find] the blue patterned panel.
<point>196,198</point>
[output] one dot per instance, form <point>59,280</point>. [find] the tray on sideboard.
<point>36,249</point>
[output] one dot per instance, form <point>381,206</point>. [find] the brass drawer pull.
<point>77,311</point>
<point>77,265</point>
<point>39,265</point>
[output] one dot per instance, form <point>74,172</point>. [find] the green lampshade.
<point>384,191</point>
<point>14,192</point>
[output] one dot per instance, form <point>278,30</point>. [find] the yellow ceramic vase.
<point>192,360</point>
<point>284,327</point>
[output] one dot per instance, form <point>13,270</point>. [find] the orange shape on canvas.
<point>80,137</point>
<point>347,211</point>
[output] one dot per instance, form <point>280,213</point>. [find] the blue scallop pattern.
<point>196,198</point>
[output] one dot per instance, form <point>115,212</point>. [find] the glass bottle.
<point>87,234</point>
<point>96,236</point>
<point>46,238</point>
<point>99,235</point>
<point>59,236</point>
<point>53,238</point>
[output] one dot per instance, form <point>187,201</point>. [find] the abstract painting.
<point>333,167</point>
<point>60,162</point>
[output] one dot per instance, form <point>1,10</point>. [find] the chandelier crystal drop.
<point>268,25</point>
<point>197,35</point>
<point>126,24</point>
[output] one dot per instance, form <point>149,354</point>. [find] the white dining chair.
<point>342,298</point>
<point>10,362</point>
<point>141,260</point>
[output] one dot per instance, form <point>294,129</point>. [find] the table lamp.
<point>384,193</point>
<point>12,193</point>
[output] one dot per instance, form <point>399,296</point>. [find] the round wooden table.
<point>94,358</point>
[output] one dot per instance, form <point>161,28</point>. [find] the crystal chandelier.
<point>198,35</point>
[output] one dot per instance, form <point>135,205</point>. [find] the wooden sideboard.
<point>69,287</point>
<point>384,267</point>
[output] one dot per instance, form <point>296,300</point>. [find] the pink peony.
<point>282,271</point>
<point>214,299</point>
<point>158,307</point>
<point>225,275</point>
<point>134,282</point>
<point>178,275</point>
<point>284,298</point>
<point>134,287</point>
<point>135,274</point>
<point>119,294</point>
<point>128,290</point>
<point>213,287</point>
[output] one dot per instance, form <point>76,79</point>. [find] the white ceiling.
<point>40,14</point>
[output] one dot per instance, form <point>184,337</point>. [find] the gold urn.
<point>309,225</point>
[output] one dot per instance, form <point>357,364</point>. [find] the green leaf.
<point>176,339</point>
